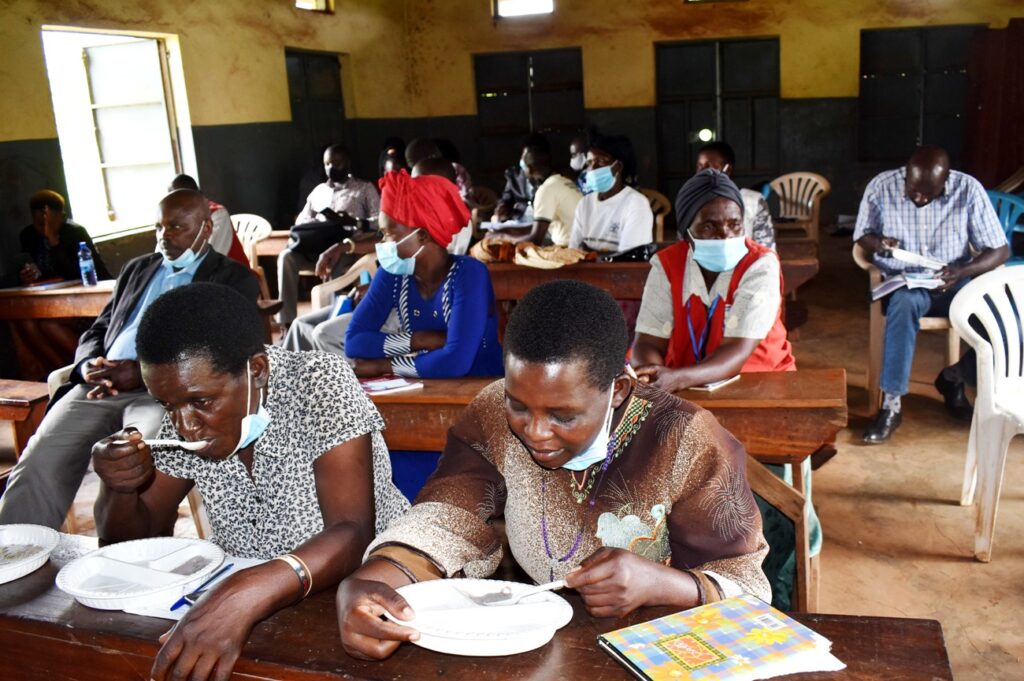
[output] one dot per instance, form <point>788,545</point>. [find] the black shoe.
<point>882,428</point>
<point>955,397</point>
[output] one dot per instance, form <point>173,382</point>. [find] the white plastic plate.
<point>449,621</point>
<point>140,572</point>
<point>24,548</point>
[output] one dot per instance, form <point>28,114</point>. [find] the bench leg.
<point>24,429</point>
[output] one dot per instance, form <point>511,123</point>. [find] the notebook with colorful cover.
<point>736,639</point>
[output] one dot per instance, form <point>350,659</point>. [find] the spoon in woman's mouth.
<point>180,444</point>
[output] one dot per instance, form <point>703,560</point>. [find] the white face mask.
<point>253,425</point>
<point>577,161</point>
<point>598,449</point>
<point>188,257</point>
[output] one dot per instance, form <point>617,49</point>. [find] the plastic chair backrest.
<point>250,228</point>
<point>800,194</point>
<point>996,300</point>
<point>1009,208</point>
<point>1012,183</point>
<point>661,207</point>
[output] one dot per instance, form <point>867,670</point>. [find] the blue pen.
<point>212,578</point>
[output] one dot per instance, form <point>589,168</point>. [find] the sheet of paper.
<point>708,387</point>
<point>917,259</point>
<point>508,224</point>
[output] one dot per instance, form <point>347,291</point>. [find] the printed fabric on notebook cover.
<point>736,639</point>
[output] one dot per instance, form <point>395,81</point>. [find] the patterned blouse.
<point>676,492</point>
<point>315,404</point>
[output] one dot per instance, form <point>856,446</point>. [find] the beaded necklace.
<point>636,412</point>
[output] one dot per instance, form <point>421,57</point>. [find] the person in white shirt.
<point>343,200</point>
<point>554,202</point>
<point>613,217</point>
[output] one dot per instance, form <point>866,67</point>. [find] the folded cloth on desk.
<point>549,257</point>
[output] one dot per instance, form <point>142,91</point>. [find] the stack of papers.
<point>387,384</point>
<point>737,639</point>
<point>909,280</point>
<point>507,224</point>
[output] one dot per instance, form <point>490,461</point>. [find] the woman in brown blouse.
<point>634,496</point>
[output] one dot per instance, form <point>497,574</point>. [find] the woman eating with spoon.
<point>631,495</point>
<point>292,467</point>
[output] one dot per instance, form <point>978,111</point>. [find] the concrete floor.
<point>897,543</point>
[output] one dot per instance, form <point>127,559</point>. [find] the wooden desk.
<point>278,241</point>
<point>624,280</point>
<point>18,306</point>
<point>23,403</point>
<point>68,301</point>
<point>796,248</point>
<point>779,418</point>
<point>273,244</point>
<point>45,635</point>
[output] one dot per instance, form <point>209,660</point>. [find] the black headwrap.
<point>703,187</point>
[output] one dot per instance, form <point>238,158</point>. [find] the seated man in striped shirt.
<point>932,211</point>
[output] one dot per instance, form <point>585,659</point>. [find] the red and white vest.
<point>774,353</point>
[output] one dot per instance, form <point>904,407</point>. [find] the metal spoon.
<point>506,597</point>
<point>180,444</point>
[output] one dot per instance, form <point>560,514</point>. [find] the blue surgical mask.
<point>719,255</point>
<point>522,165</point>
<point>187,258</point>
<point>253,425</point>
<point>598,449</point>
<point>391,262</point>
<point>600,179</point>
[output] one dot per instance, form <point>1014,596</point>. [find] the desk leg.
<point>24,429</point>
<point>804,576</point>
<point>791,502</point>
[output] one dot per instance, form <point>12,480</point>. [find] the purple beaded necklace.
<point>552,560</point>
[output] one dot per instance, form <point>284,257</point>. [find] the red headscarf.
<point>428,201</point>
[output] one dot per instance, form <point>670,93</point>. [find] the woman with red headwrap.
<point>444,303</point>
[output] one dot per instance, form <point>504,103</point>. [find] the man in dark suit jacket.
<point>106,392</point>
<point>518,192</point>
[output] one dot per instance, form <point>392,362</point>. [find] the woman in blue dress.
<point>428,313</point>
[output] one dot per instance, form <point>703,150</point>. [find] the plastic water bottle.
<point>85,264</point>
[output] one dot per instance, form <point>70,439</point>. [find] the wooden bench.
<point>780,418</point>
<point>24,403</point>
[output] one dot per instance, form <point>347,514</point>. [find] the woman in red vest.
<point>712,306</point>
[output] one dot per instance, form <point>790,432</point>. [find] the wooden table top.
<point>780,417</point>
<point>49,303</point>
<point>624,280</point>
<point>22,393</point>
<point>788,389</point>
<point>45,635</point>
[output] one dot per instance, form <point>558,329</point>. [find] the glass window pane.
<point>518,8</point>
<point>133,134</point>
<point>135,191</point>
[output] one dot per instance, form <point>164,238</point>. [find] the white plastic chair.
<point>322,295</point>
<point>996,300</point>
<point>800,196</point>
<point>251,228</point>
